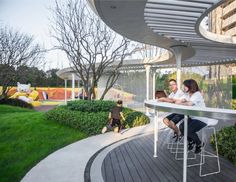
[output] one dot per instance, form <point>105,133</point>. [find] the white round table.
<point>216,113</point>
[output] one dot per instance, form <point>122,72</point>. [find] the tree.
<point>16,49</point>
<point>162,80</point>
<point>31,75</point>
<point>149,53</point>
<point>53,80</point>
<point>91,47</point>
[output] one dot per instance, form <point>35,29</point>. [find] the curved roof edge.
<point>125,20</point>
<point>225,39</point>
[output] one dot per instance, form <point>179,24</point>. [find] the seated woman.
<point>193,97</point>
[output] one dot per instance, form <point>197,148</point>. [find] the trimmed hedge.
<point>76,116</point>
<point>89,123</point>
<point>91,106</point>
<point>16,102</point>
<point>227,142</point>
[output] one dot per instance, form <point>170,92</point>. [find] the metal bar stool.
<point>180,146</point>
<point>174,148</point>
<point>204,153</point>
<point>171,145</point>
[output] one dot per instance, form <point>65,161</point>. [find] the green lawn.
<point>26,137</point>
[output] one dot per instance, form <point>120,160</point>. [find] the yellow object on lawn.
<point>18,94</point>
<point>36,103</point>
<point>34,95</point>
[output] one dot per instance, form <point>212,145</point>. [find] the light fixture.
<point>113,7</point>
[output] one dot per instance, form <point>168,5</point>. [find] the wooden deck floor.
<point>134,162</point>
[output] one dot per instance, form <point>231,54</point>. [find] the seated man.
<point>172,119</point>
<point>115,117</point>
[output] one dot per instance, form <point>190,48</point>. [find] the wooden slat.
<point>153,172</point>
<point>133,162</point>
<point>169,167</point>
<point>166,155</point>
<point>164,170</point>
<point>123,166</point>
<point>131,167</point>
<point>109,172</point>
<point>116,168</point>
<point>143,162</point>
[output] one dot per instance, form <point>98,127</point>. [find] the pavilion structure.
<point>175,25</point>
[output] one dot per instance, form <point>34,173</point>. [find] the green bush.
<point>91,106</point>
<point>89,122</point>
<point>134,119</point>
<point>226,138</point>
<point>234,91</point>
<point>234,79</point>
<point>234,86</point>
<point>234,104</point>
<point>16,102</point>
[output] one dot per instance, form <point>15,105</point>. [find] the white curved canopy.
<point>169,24</point>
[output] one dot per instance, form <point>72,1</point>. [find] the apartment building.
<point>223,19</point>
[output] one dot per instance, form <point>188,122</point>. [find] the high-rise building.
<point>223,22</point>
<point>223,19</point>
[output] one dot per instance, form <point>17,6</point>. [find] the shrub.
<point>16,102</point>
<point>134,119</point>
<point>76,116</point>
<point>127,111</point>
<point>91,106</point>
<point>89,123</point>
<point>234,104</point>
<point>227,142</point>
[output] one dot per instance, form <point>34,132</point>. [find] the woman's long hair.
<point>191,85</point>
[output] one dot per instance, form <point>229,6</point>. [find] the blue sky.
<point>31,17</point>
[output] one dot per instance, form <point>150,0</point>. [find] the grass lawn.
<point>26,137</point>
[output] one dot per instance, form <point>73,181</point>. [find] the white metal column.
<point>65,91</point>
<point>185,148</point>
<point>153,84</point>
<point>147,68</point>
<point>178,56</point>
<point>155,132</point>
<point>178,71</point>
<point>78,89</point>
<point>73,87</point>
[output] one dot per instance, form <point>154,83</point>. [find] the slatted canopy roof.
<point>170,24</point>
<point>167,24</point>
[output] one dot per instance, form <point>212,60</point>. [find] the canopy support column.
<point>78,89</point>
<point>154,84</point>
<point>178,57</point>
<point>147,68</point>
<point>73,87</point>
<point>65,91</point>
